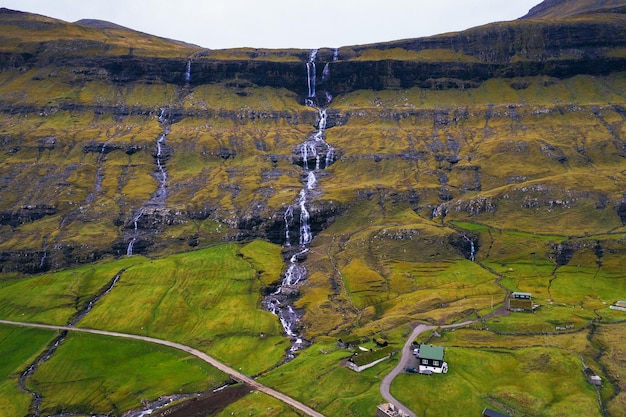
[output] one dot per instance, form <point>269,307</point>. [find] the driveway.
<point>404,360</point>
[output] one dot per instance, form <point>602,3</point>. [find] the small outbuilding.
<point>592,377</point>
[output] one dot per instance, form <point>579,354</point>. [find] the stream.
<point>52,348</point>
<point>159,197</point>
<point>316,155</point>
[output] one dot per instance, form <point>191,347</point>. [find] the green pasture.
<point>318,378</point>
<point>610,340</point>
<point>209,299</point>
<point>529,381</point>
<point>95,374</point>
<point>19,347</point>
<point>258,404</point>
<point>56,297</point>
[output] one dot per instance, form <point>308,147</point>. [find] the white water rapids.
<point>315,155</point>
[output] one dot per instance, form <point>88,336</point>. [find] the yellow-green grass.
<point>208,298</point>
<point>387,270</point>
<point>266,260</point>
<point>598,347</point>
<point>527,263</point>
<point>47,36</point>
<point>317,378</point>
<point>587,287</point>
<point>546,319</point>
<point>428,55</point>
<point>526,380</point>
<point>19,347</point>
<point>611,340</point>
<point>226,97</point>
<point>258,404</point>
<point>54,298</point>
<point>541,90</point>
<point>247,54</point>
<point>92,374</point>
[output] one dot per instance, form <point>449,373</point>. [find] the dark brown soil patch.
<point>208,404</point>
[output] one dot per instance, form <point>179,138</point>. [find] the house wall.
<point>430,362</point>
<point>357,368</point>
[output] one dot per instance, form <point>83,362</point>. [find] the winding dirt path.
<point>238,376</point>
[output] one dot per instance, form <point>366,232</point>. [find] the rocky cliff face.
<point>499,125</point>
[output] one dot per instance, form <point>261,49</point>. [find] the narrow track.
<point>238,376</point>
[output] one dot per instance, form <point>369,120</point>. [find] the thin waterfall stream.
<point>158,199</point>
<point>315,155</point>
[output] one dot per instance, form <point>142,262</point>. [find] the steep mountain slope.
<point>448,171</point>
<point>554,9</point>
<point>82,156</point>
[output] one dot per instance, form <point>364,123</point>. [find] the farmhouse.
<point>521,301</point>
<point>430,359</point>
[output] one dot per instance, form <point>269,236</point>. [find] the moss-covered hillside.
<point>465,166</point>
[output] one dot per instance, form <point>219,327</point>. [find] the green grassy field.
<point>19,347</point>
<point>96,374</point>
<point>528,379</point>
<point>209,299</point>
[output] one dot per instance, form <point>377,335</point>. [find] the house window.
<point>435,363</point>
<point>424,361</point>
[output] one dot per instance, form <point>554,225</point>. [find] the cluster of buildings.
<point>430,358</point>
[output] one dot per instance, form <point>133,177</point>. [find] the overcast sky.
<point>220,24</point>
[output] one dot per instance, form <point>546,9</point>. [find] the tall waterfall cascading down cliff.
<point>158,199</point>
<point>315,155</point>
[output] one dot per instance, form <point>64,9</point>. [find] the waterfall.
<point>315,155</point>
<point>188,72</point>
<point>305,227</point>
<point>311,74</point>
<point>472,248</point>
<point>326,73</point>
<point>131,244</point>
<point>161,174</point>
<point>311,180</point>
<point>160,195</point>
<point>288,217</point>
